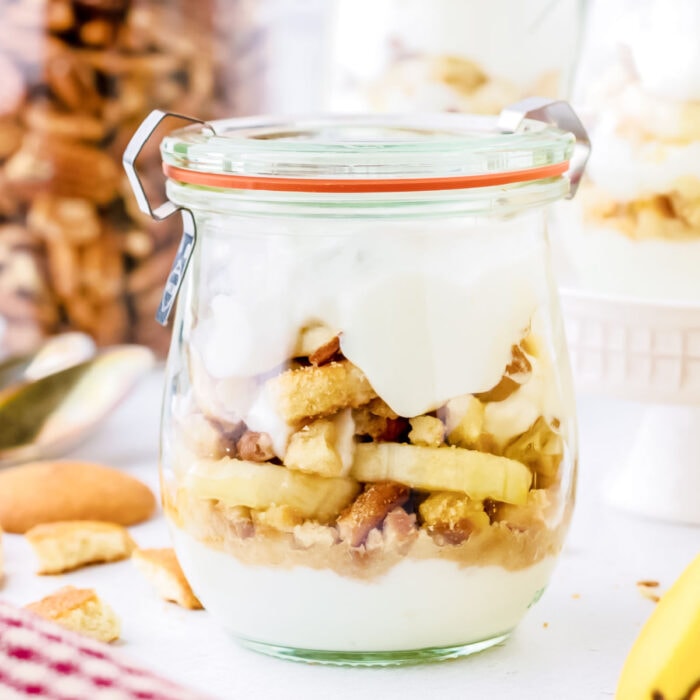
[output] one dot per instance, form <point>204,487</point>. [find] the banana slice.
<point>236,482</point>
<point>664,661</point>
<point>480,475</point>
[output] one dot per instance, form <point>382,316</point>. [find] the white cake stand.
<point>649,353</point>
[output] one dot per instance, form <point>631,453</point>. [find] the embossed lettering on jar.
<point>369,448</point>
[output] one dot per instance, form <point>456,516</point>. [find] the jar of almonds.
<point>76,79</point>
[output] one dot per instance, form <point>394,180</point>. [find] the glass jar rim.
<point>361,153</point>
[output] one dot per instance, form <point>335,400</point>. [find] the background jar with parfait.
<point>368,405</point>
<point>466,56</point>
<point>638,91</point>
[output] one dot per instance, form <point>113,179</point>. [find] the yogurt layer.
<point>417,604</point>
<point>416,315</point>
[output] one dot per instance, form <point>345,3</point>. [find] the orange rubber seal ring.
<point>300,184</point>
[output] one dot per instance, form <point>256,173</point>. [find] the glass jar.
<point>447,55</point>
<point>368,449</point>
<point>638,91</point>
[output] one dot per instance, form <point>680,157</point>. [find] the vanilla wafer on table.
<point>64,546</point>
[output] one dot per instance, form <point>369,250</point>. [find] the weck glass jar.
<point>368,445</point>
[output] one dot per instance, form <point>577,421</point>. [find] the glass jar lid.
<point>379,153</point>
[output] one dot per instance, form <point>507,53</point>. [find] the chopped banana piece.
<point>464,420</point>
<point>312,450</point>
<point>539,448</point>
<point>477,474</point>
<point>314,392</point>
<point>451,518</point>
<point>427,431</point>
<point>235,482</point>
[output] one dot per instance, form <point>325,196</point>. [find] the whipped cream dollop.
<point>425,317</point>
<point>449,338</point>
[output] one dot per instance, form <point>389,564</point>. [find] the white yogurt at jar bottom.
<point>417,604</point>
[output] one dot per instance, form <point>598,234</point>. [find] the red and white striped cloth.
<point>39,659</point>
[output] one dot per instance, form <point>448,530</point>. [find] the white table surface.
<point>571,645</point>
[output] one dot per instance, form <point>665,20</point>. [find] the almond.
<point>64,168</point>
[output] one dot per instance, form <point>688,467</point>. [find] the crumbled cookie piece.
<point>378,421</point>
<point>649,590</point>
<point>314,392</point>
<point>312,534</point>
<point>648,584</point>
<point>64,546</point>
<point>368,424</point>
<point>426,430</point>
<point>80,610</point>
<point>369,509</point>
<point>162,569</point>
<point>282,518</point>
<point>451,517</point>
